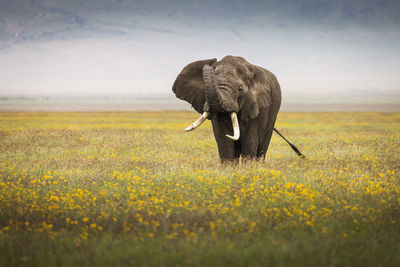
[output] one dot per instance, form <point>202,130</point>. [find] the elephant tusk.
<point>198,122</point>
<point>235,126</point>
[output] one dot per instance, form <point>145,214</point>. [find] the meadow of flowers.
<point>132,188</point>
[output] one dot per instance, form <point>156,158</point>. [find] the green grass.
<point>132,188</point>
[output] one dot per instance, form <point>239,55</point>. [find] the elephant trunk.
<point>214,99</point>
<point>211,93</point>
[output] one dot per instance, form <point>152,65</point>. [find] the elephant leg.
<point>228,150</point>
<point>267,133</point>
<point>264,144</point>
<point>249,141</point>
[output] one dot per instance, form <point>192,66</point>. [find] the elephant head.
<point>231,88</point>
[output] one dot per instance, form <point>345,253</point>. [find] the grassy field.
<point>131,188</point>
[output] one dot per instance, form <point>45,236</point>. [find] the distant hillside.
<point>169,102</point>
<point>24,21</point>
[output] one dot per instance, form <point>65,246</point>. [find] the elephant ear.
<point>260,91</point>
<point>189,84</point>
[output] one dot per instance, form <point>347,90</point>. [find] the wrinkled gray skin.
<point>233,85</point>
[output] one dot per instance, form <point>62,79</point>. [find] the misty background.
<point>323,52</point>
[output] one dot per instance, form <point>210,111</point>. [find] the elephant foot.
<point>229,161</point>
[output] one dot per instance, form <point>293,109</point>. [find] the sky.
<point>129,47</point>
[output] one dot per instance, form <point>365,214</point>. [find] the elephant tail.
<point>291,145</point>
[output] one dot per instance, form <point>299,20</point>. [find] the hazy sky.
<point>127,47</point>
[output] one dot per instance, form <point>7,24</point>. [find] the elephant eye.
<point>240,89</point>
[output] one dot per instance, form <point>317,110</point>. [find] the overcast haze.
<point>122,47</point>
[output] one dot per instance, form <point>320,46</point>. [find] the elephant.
<point>242,101</point>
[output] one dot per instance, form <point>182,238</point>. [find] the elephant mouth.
<point>203,117</point>
<point>214,100</point>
